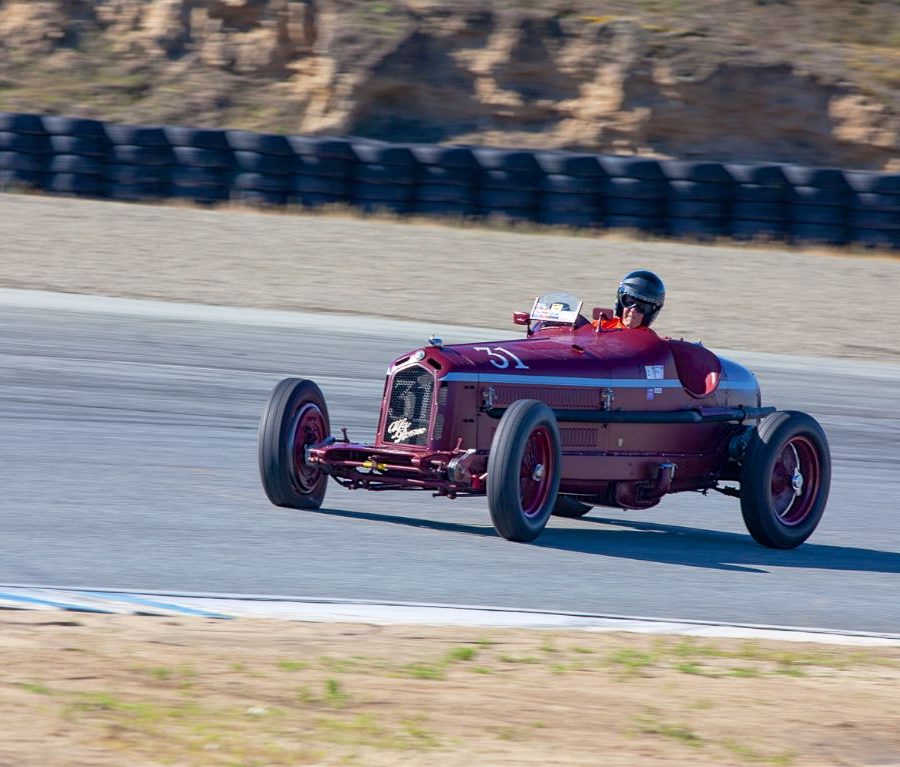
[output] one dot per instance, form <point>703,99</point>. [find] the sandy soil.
<point>730,297</point>
<point>113,690</point>
<point>116,690</point>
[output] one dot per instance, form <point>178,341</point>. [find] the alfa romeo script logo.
<point>399,430</point>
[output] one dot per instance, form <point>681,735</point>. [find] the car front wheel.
<point>294,418</point>
<point>785,478</point>
<point>524,470</point>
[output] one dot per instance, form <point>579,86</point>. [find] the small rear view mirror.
<point>520,318</point>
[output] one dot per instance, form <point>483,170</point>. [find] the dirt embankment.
<point>813,82</point>
<point>78,690</point>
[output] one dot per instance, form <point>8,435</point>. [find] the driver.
<point>640,296</point>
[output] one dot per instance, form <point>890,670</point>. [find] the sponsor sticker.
<point>655,372</point>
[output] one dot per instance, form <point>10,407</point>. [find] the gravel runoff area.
<point>769,299</point>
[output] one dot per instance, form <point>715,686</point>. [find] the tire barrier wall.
<point>676,198</point>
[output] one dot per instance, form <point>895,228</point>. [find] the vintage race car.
<point>568,417</point>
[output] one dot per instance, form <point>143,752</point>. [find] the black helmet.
<point>646,287</point>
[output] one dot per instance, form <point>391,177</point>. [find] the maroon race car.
<point>569,417</point>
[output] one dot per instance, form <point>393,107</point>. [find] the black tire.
<point>570,203</point>
<point>85,146</point>
<point>642,168</point>
<point>569,218</point>
<point>24,142</point>
<point>509,180</point>
<point>823,234</point>
<point>61,125</point>
<point>295,405</point>
<point>198,157</point>
<point>444,156</point>
<point>521,505</point>
<point>260,182</point>
<point>135,154</point>
<point>444,193</point>
<point>633,188</point>
<point>21,161</point>
<point>515,160</point>
<point>781,512</point>
<point>269,144</point>
<point>137,135</point>
<point>506,198</point>
<point>569,164</point>
<point>377,153</point>
<point>136,174</point>
<point>73,163</point>
<point>876,183</point>
<point>560,184</point>
<point>569,507</point>
<point>376,173</point>
<point>322,146</point>
<point>22,123</point>
<point>199,138</point>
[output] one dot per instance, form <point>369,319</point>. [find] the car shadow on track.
<point>667,544</point>
<point>700,547</point>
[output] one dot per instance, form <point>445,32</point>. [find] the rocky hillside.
<point>810,81</point>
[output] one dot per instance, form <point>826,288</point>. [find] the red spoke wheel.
<point>295,417</point>
<point>524,470</point>
<point>785,479</point>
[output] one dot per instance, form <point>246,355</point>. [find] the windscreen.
<point>556,306</point>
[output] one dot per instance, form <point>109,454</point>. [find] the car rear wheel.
<point>524,470</point>
<point>785,478</point>
<point>570,507</point>
<point>294,418</point>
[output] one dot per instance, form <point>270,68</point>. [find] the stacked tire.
<point>508,184</point>
<point>384,178</point>
<point>571,189</point>
<point>140,163</point>
<point>204,164</point>
<point>78,163</point>
<point>759,209</point>
<point>24,151</point>
<point>698,197</point>
<point>447,178</point>
<point>263,166</point>
<point>818,201</point>
<point>323,167</point>
<point>874,217</point>
<point>633,193</point>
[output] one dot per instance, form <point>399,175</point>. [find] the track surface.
<point>129,462</point>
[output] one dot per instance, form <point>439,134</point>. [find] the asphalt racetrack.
<point>129,461</point>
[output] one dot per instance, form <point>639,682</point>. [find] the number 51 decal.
<point>500,357</point>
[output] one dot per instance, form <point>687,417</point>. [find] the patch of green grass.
<point>690,667</point>
<point>631,661</point>
<point>744,671</point>
<point>751,754</point>
<point>37,688</point>
<point>161,673</point>
<point>334,693</point>
<point>583,650</point>
<point>548,646</point>
<point>426,671</point>
<point>292,665</point>
<point>481,670</point>
<point>505,658</point>
<point>649,724</point>
<point>460,654</point>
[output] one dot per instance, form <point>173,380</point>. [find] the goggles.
<point>644,307</point>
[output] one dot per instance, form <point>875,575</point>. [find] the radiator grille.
<point>409,407</point>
